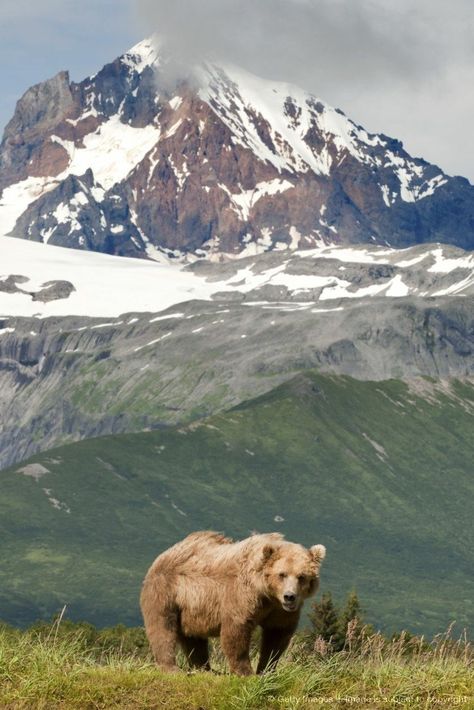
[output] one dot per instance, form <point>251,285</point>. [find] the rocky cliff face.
<point>231,165</point>
<point>79,214</point>
<point>26,150</point>
<point>70,378</point>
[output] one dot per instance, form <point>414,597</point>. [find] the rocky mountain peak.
<point>42,106</point>
<point>224,166</point>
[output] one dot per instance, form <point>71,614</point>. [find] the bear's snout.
<point>290,600</point>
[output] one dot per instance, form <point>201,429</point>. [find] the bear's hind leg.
<point>197,651</point>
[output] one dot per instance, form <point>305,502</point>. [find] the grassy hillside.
<point>381,473</point>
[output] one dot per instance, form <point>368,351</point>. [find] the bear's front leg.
<point>235,642</point>
<point>274,643</point>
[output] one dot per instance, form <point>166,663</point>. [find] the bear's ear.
<point>267,553</point>
<point>318,553</point>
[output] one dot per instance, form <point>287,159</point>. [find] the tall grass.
<point>69,666</point>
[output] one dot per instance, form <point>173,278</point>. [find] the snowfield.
<point>107,286</point>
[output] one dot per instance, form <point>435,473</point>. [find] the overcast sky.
<point>402,67</point>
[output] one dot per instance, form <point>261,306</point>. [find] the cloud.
<point>394,66</point>
<point>345,40</point>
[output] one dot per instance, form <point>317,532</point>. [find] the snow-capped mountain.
<point>228,164</point>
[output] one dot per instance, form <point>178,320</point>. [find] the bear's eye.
<point>282,575</point>
<point>301,579</point>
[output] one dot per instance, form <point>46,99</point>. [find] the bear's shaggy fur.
<point>207,585</point>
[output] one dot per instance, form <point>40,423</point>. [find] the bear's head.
<point>291,572</point>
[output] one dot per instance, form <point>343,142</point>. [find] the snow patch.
<point>152,342</point>
<point>112,151</point>
<point>142,55</point>
<point>397,288</point>
<point>57,504</point>
<point>174,128</point>
<point>445,265</point>
<point>295,238</point>
<point>170,315</point>
<point>381,452</point>
<point>247,199</point>
<point>16,199</point>
<point>176,102</point>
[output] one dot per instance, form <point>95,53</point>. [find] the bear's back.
<point>211,554</point>
<point>195,551</point>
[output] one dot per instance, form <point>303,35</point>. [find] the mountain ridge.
<point>69,378</point>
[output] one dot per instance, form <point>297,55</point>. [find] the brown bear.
<point>208,585</point>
